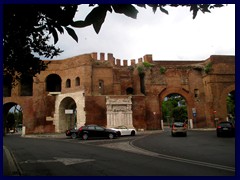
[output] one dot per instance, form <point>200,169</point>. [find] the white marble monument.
<point>119,111</point>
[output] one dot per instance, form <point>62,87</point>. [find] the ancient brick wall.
<point>86,80</point>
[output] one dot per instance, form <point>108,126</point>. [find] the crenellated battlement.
<point>118,62</point>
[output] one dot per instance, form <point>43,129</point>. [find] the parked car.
<point>225,128</point>
<point>179,128</point>
<point>72,132</point>
<point>124,131</point>
<point>96,131</point>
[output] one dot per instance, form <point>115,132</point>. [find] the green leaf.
<point>96,17</point>
<point>80,24</point>
<point>98,24</point>
<point>154,7</point>
<point>127,9</point>
<point>218,5</point>
<point>204,8</point>
<point>141,5</point>
<point>55,35</point>
<point>163,10</point>
<point>194,8</point>
<point>60,29</point>
<point>72,33</point>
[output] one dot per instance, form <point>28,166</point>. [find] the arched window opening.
<point>101,86</point>
<point>196,93</point>
<point>53,83</point>
<point>26,86</point>
<point>129,90</point>
<point>77,81</point>
<point>68,83</point>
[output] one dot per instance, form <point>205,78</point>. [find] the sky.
<point>176,36</point>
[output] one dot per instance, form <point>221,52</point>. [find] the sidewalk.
<point>202,129</point>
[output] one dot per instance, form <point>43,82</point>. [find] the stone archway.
<point>174,108</point>
<point>222,110</point>
<point>185,94</point>
<point>6,109</point>
<point>67,114</point>
<point>70,101</point>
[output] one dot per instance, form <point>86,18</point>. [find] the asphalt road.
<point>156,154</point>
<point>203,146</point>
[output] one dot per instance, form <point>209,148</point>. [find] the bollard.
<point>23,130</point>
<point>190,124</point>
<point>162,125</point>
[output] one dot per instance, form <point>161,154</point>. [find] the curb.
<point>62,135</point>
<point>203,129</point>
<point>13,167</point>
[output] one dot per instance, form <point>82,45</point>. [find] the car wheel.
<point>133,133</point>
<point>110,136</point>
<point>73,135</point>
<point>85,136</point>
<point>119,133</point>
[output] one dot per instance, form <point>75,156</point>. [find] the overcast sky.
<point>167,37</point>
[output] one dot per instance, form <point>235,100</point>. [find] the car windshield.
<point>99,128</point>
<point>225,124</point>
<point>178,124</point>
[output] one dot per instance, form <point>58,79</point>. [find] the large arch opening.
<point>67,114</point>
<point>231,106</point>
<point>174,109</point>
<point>12,118</point>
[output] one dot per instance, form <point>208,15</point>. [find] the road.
<point>199,146</point>
<point>156,154</point>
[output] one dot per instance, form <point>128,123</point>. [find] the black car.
<point>72,132</point>
<point>225,128</point>
<point>96,131</point>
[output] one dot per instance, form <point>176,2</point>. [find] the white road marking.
<point>65,161</point>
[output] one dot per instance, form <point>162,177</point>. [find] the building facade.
<point>106,91</point>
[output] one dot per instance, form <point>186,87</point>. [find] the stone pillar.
<point>102,56</point>
<point>133,62</point>
<point>118,62</point>
<point>148,58</point>
<point>111,59</point>
<point>94,55</point>
<point>125,62</point>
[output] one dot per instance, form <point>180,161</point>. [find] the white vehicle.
<point>124,131</point>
